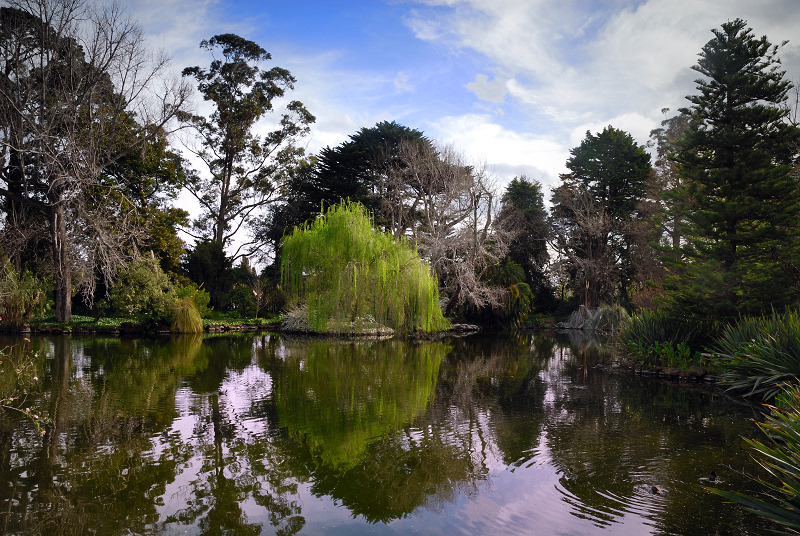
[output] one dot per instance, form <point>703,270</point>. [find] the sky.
<point>513,84</point>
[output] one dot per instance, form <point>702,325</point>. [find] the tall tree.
<point>737,159</point>
<point>357,169</point>
<point>524,215</point>
<point>245,170</point>
<point>71,75</point>
<point>150,181</point>
<point>447,207</point>
<point>594,212</point>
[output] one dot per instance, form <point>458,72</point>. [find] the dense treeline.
<point>701,223</point>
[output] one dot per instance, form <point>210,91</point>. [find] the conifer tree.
<point>736,159</point>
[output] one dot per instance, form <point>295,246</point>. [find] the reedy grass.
<point>653,338</point>
<point>186,318</point>
<point>760,356</point>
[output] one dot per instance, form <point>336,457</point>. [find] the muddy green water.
<point>262,434</point>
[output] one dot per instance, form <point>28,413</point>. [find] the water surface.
<point>263,434</point>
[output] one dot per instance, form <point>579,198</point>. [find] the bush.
<point>760,356</point>
<point>22,296</point>
<point>200,297</point>
<point>654,338</point>
<point>142,290</point>
<point>781,459</point>
<point>242,300</point>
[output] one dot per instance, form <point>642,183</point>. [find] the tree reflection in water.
<point>260,434</point>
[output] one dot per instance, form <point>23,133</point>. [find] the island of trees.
<point>693,238</point>
<point>699,225</point>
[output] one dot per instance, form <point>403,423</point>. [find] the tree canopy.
<point>347,271</point>
<point>245,169</point>
<point>73,77</point>
<point>737,160</point>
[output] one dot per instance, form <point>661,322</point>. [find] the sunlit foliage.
<point>347,271</point>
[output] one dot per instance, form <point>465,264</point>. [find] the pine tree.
<point>736,159</point>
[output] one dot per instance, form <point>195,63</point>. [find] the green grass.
<point>88,323</point>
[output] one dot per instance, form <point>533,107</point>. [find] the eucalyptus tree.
<point>245,170</point>
<point>71,76</point>
<point>737,160</point>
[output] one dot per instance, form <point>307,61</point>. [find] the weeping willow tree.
<point>346,271</point>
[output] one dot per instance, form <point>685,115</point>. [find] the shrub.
<point>654,338</point>
<point>142,290</point>
<point>242,300</point>
<point>780,457</point>
<point>22,296</point>
<point>759,356</point>
<point>186,317</point>
<point>200,297</point>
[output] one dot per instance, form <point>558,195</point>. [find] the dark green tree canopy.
<point>593,214</point>
<point>77,95</point>
<point>737,160</point>
<point>612,168</point>
<point>356,169</point>
<point>523,213</point>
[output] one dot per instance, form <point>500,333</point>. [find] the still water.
<point>262,434</point>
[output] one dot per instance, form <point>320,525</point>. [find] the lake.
<point>252,434</point>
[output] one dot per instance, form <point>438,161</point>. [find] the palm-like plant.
<point>760,355</point>
<point>780,457</point>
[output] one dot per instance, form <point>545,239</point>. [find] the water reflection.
<point>244,434</point>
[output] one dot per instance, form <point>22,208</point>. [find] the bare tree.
<point>446,207</point>
<point>581,231</point>
<point>79,91</point>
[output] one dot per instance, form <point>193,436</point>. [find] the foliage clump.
<point>21,295</point>
<point>760,356</point>
<point>186,317</point>
<point>143,289</point>
<point>345,270</point>
<point>780,457</point>
<point>653,338</point>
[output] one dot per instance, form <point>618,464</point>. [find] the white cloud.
<point>401,82</point>
<point>572,66</point>
<point>488,90</point>
<point>509,153</point>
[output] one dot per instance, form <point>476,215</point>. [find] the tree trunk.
<point>61,266</point>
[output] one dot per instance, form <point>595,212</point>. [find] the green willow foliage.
<point>346,271</point>
<point>339,398</point>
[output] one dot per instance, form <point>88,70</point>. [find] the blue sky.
<point>513,84</point>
